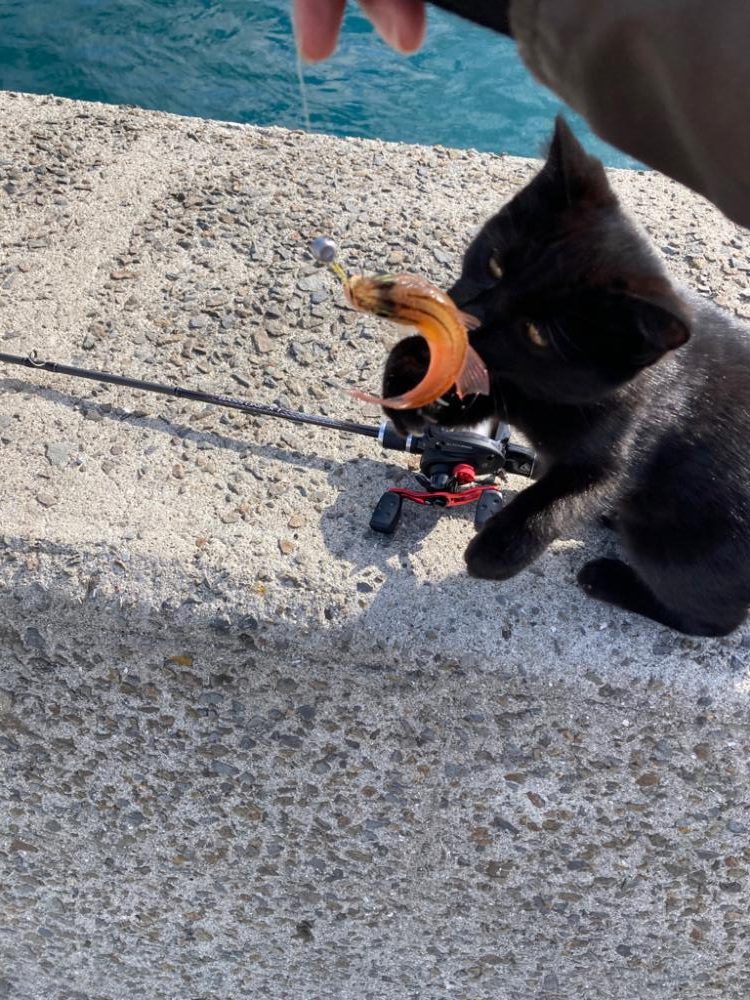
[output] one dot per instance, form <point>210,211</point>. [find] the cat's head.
<point>572,301</point>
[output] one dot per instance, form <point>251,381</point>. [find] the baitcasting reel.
<point>456,468</point>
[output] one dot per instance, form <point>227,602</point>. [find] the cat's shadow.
<point>414,580</point>
<point>412,588</point>
<point>361,483</point>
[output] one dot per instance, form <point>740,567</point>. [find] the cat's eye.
<point>535,335</point>
<point>494,265</point>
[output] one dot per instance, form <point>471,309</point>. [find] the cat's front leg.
<point>519,533</point>
<point>504,547</point>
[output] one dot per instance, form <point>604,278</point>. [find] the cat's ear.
<point>663,325</point>
<point>578,177</point>
<point>658,322</point>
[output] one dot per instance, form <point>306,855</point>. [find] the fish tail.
<point>393,402</point>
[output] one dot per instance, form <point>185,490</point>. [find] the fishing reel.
<point>455,468</point>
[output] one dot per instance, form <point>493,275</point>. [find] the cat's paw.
<point>407,422</point>
<point>497,554</point>
<point>405,366</point>
<point>606,579</point>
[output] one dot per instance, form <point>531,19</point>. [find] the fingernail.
<point>388,27</point>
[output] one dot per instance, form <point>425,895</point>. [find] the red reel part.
<point>444,498</point>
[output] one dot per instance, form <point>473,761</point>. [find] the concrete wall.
<point>249,749</point>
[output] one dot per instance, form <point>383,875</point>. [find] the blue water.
<point>235,60</point>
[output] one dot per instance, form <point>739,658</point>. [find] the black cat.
<point>635,394</point>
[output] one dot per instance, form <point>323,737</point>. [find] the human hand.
<point>401,23</point>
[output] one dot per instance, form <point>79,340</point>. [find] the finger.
<point>401,23</point>
<point>316,27</point>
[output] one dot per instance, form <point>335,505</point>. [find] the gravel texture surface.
<point>251,749</point>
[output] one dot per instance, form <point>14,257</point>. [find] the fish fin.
<point>473,377</point>
<point>394,402</point>
<point>469,321</point>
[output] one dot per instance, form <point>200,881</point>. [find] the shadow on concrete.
<point>419,609</point>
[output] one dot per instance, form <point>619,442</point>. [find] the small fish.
<point>412,301</point>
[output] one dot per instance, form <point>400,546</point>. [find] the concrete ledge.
<point>249,748</point>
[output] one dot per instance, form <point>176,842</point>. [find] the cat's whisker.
<point>501,407</point>
<point>555,331</point>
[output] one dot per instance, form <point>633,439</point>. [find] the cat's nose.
<point>467,296</point>
<point>463,292</point>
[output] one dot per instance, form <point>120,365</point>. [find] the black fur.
<point>635,394</point>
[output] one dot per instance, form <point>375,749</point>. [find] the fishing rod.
<point>199,396</point>
<point>456,467</point>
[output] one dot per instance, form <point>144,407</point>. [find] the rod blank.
<point>180,392</point>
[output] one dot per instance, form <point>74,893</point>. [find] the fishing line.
<point>303,91</point>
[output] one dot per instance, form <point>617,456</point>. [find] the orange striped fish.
<point>412,301</point>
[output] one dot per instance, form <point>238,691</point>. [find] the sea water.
<point>235,60</point>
